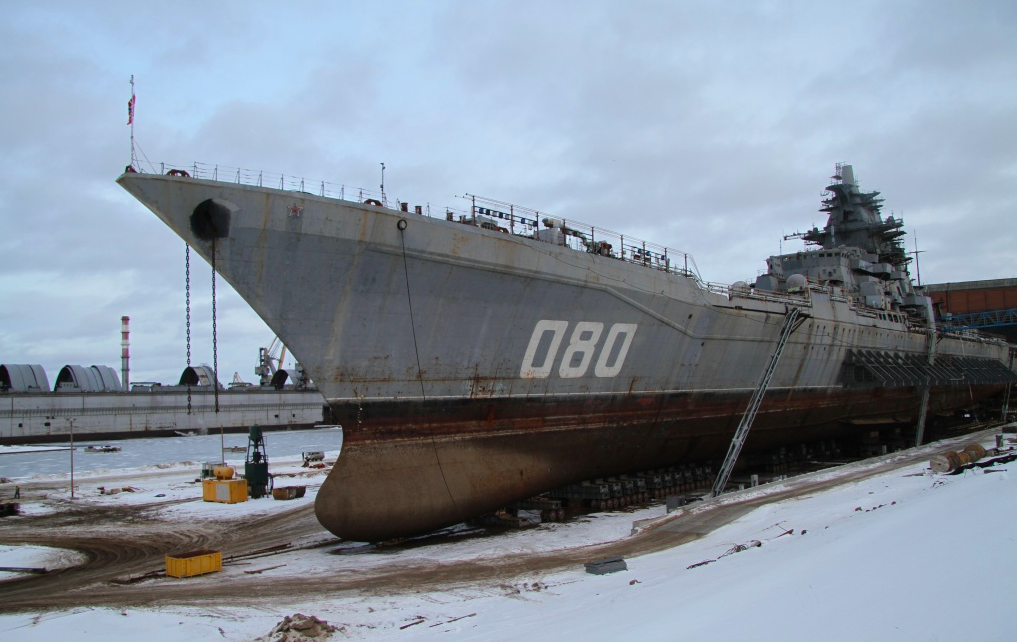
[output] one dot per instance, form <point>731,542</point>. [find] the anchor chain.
<point>187,288</point>
<point>215,353</point>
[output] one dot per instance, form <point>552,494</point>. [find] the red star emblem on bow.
<point>295,210</point>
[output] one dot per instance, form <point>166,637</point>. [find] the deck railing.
<point>483,212</point>
<point>502,216</point>
<point>583,237</point>
<point>259,178</point>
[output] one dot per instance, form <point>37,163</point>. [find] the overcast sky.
<point>711,127</point>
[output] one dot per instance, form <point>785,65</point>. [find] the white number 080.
<point>579,353</point>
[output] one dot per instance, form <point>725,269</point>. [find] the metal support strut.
<point>1009,387</point>
<point>930,356</point>
<point>757,398</point>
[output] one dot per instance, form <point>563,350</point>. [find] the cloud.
<point>710,127</point>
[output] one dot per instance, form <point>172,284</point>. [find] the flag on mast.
<point>130,104</point>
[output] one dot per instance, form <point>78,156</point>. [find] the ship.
<point>94,403</point>
<point>496,352</point>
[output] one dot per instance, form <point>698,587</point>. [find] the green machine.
<point>259,482</point>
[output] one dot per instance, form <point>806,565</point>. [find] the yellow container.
<point>193,563</point>
<point>225,491</point>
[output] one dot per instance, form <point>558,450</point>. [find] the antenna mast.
<point>918,267</point>
<point>130,120</point>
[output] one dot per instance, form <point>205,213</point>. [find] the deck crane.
<point>268,363</point>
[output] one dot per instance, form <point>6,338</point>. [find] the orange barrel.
<point>964,458</point>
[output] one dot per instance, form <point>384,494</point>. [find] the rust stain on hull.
<point>455,460</point>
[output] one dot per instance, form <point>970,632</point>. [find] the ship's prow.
<point>160,194</point>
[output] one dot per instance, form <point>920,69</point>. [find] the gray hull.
<point>470,367</point>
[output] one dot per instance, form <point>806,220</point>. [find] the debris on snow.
<point>414,623</point>
<point>738,548</point>
<point>300,628</point>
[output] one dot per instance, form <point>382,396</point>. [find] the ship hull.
<point>477,456</point>
<point>470,368</point>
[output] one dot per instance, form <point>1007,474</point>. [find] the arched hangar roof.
<point>90,379</point>
<point>280,378</point>
<point>23,377</point>
<point>202,375</point>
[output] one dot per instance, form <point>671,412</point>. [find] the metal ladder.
<point>757,398</point>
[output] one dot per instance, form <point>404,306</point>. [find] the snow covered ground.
<point>906,555</point>
<point>26,556</point>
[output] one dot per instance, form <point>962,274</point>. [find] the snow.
<point>168,483</point>
<point>905,555</point>
<point>167,625</point>
<point>21,450</point>
<point>27,556</point>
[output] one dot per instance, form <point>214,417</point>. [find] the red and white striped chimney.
<point>125,351</point>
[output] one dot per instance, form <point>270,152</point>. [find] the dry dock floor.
<point>127,542</point>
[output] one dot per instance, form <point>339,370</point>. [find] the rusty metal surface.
<point>974,296</point>
<point>399,478</point>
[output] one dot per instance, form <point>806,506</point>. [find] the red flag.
<point>130,110</point>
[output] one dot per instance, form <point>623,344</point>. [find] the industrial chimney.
<point>125,352</point>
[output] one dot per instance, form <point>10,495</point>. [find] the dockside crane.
<point>268,363</point>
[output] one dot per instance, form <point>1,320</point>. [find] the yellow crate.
<point>193,563</point>
<point>226,491</point>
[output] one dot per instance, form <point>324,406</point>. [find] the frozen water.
<point>162,450</point>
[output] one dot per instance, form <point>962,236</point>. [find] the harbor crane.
<point>268,363</point>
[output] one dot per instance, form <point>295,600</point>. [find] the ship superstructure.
<point>859,253</point>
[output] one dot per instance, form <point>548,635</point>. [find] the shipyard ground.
<point>280,555</point>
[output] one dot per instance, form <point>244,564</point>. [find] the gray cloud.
<point>710,127</point>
